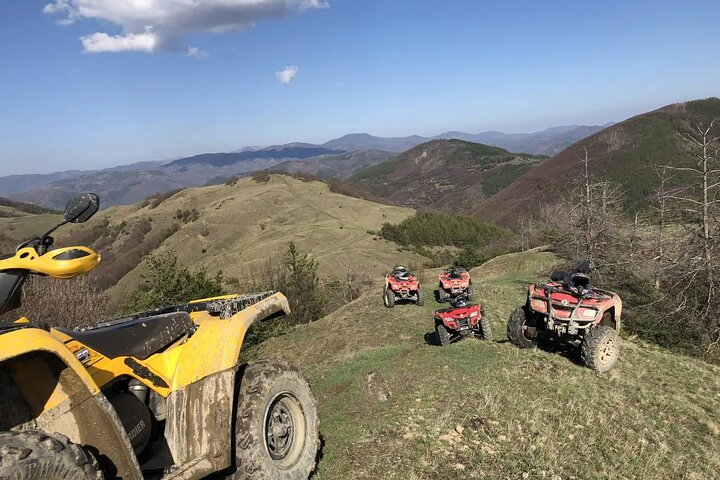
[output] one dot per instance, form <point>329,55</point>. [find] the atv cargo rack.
<point>573,322</point>
<point>224,308</point>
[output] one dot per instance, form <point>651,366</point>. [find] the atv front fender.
<point>217,343</point>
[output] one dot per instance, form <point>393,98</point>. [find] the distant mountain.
<point>624,153</point>
<point>13,184</point>
<point>340,157</point>
<point>297,151</point>
<point>546,142</point>
<point>339,166</point>
<point>364,141</point>
<point>452,175</point>
<point>121,186</point>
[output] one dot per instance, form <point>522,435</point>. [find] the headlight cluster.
<point>473,314</point>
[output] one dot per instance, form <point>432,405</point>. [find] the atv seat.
<point>134,337</point>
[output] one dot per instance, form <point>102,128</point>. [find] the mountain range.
<point>339,158</point>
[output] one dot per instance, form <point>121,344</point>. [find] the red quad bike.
<point>402,285</point>
<point>572,310</point>
<point>461,320</point>
<point>453,282</point>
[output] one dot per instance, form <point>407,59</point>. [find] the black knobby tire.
<point>420,297</point>
<point>34,455</point>
<point>389,298</point>
<point>277,425</point>
<point>443,335</point>
<point>485,329</point>
<point>442,294</point>
<point>516,330</point>
<point>469,292</point>
<point>600,348</point>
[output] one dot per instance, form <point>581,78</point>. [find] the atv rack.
<point>224,308</point>
<point>573,323</point>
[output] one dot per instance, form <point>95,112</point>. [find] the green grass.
<point>394,407</point>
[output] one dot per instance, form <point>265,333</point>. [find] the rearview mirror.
<point>80,209</point>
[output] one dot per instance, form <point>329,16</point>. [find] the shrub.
<point>442,229</point>
<point>69,303</point>
<point>164,282</point>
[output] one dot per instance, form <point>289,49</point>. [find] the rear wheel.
<point>34,455</point>
<point>600,348</point>
<point>389,298</point>
<point>469,292</point>
<point>442,334</point>
<point>517,330</point>
<point>276,433</point>
<point>420,297</point>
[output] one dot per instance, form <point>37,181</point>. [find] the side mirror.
<point>80,209</point>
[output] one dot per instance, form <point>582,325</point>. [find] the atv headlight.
<point>587,312</point>
<point>473,314</point>
<point>538,305</point>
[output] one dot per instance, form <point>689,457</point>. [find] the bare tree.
<point>594,214</point>
<point>661,206</point>
<point>696,273</point>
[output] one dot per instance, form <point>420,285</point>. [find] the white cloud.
<point>102,42</point>
<point>153,25</point>
<point>195,52</point>
<point>286,76</point>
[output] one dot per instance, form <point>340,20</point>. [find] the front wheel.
<point>420,297</point>
<point>277,425</point>
<point>517,330</point>
<point>600,348</point>
<point>389,298</point>
<point>485,329</point>
<point>32,455</point>
<point>469,292</point>
<point>442,294</point>
<point>442,334</point>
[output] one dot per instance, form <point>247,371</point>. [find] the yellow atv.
<point>155,395</point>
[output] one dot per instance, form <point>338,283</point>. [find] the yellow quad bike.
<point>155,395</point>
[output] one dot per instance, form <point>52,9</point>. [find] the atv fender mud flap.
<point>199,426</point>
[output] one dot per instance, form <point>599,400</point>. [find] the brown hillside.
<point>452,175</point>
<point>624,153</point>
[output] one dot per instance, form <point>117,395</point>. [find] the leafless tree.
<point>593,213</point>
<point>695,276</point>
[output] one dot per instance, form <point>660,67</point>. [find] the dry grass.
<point>393,406</point>
<point>238,225</point>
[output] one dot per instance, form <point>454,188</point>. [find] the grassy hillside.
<point>394,407</point>
<point>624,153</point>
<point>235,228</point>
<point>11,208</point>
<point>451,175</point>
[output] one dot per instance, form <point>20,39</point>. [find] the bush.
<point>166,283</point>
<point>432,229</point>
<point>69,303</point>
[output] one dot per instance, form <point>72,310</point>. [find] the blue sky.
<point>386,67</point>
